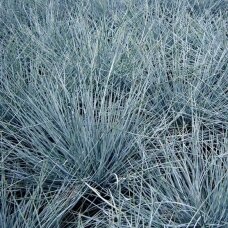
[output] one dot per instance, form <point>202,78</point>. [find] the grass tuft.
<point>113,113</point>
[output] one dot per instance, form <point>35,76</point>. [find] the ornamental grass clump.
<point>113,114</point>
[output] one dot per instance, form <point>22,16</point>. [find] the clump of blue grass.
<point>113,113</point>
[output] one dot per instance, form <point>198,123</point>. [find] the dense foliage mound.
<point>113,113</point>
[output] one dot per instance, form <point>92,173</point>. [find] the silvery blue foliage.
<point>113,113</point>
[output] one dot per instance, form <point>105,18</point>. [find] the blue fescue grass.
<point>113,114</point>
